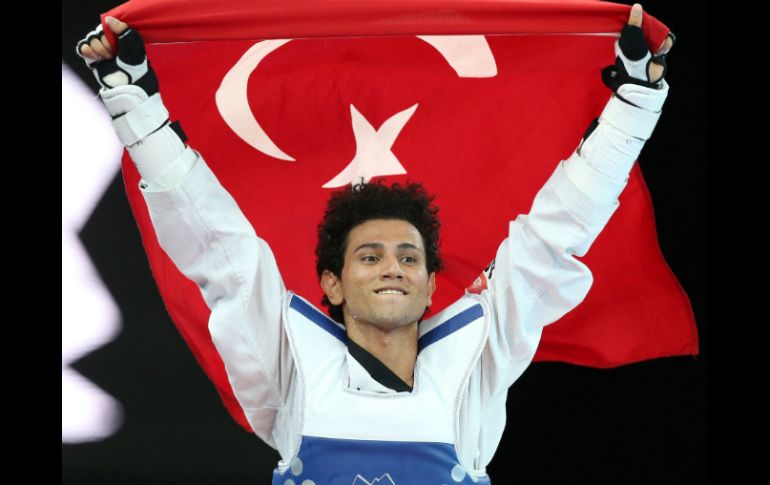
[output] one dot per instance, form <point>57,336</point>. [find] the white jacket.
<point>288,364</point>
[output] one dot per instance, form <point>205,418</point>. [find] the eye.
<point>366,258</point>
<point>412,259</point>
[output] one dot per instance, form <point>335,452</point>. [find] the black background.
<point>640,423</point>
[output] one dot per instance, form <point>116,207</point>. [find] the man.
<point>376,393</point>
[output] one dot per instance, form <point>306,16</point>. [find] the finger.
<point>99,48</point>
<point>666,45</point>
<point>116,25</point>
<point>86,50</point>
<point>106,44</point>
<point>635,17</point>
<point>655,72</point>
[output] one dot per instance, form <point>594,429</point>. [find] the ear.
<point>332,286</point>
<point>431,287</point>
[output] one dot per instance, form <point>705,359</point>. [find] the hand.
<point>129,67</point>
<point>634,63</point>
<point>655,70</point>
<point>95,47</point>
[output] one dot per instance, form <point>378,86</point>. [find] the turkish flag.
<point>478,100</point>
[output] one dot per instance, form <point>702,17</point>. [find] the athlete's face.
<point>383,254</point>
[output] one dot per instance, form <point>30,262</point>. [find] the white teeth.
<point>390,292</point>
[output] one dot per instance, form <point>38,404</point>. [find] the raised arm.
<point>201,228</point>
<point>535,278</point>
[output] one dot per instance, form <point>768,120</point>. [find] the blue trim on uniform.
<point>327,461</point>
<point>450,326</point>
<point>315,316</point>
<point>447,328</point>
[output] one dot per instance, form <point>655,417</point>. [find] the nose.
<point>391,268</point>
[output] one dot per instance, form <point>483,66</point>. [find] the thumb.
<point>116,25</point>
<point>635,17</point>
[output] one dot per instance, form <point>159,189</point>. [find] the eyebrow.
<point>376,245</point>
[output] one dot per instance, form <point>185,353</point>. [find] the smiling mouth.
<point>391,292</point>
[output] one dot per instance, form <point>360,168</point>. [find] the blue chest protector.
<point>352,437</point>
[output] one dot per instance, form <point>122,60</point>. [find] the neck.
<point>396,348</point>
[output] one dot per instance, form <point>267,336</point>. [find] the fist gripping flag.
<point>479,100</point>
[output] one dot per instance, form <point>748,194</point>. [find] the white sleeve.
<point>601,164</point>
<point>202,229</point>
<point>535,278</point>
<point>533,281</point>
<point>142,124</point>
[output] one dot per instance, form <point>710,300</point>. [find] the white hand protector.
<point>613,141</point>
<point>129,90</point>
<point>632,61</point>
<point>129,66</point>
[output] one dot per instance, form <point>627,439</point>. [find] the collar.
<point>368,373</point>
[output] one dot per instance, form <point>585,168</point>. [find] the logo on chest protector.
<point>482,282</point>
<point>383,480</point>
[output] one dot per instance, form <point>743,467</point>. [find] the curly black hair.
<point>358,203</point>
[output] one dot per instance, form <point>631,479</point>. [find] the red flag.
<point>479,100</point>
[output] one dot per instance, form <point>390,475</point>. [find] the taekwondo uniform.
<point>291,367</point>
<point>330,415</point>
